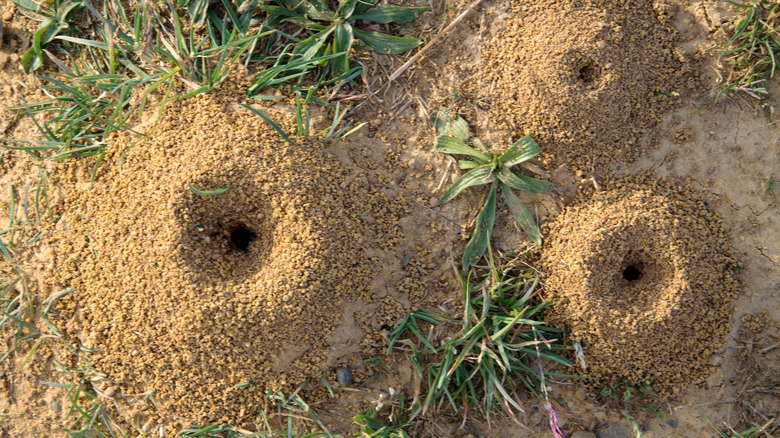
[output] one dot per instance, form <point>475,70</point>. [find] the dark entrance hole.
<point>632,273</point>
<point>240,237</point>
<point>589,73</point>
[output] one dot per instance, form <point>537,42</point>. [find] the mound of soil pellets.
<point>644,270</point>
<point>217,262</point>
<point>586,79</point>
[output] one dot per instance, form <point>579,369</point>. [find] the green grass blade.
<point>208,192</point>
<point>269,121</point>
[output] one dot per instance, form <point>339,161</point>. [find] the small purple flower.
<point>554,426</point>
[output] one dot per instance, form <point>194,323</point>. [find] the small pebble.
<point>344,376</point>
<point>8,15</point>
<point>55,406</point>
<point>716,360</point>
<point>614,431</point>
<point>583,434</point>
<point>433,202</point>
<point>110,392</point>
<point>148,425</point>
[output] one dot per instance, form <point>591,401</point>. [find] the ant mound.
<point>218,262</point>
<point>586,79</point>
<point>644,271</point>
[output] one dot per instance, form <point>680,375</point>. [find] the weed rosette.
<point>215,262</point>
<point>644,273</point>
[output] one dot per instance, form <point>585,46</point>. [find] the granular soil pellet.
<point>208,301</point>
<point>587,79</point>
<point>644,272</point>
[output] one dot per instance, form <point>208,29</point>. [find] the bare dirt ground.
<point>721,147</point>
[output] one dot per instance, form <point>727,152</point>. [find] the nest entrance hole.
<point>632,272</point>
<point>240,237</point>
<point>589,72</point>
<point>227,236</point>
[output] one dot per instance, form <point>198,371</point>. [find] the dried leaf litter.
<point>190,295</point>
<point>586,79</point>
<point>644,270</point>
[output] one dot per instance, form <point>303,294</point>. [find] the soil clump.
<point>209,300</point>
<point>645,273</point>
<point>586,79</point>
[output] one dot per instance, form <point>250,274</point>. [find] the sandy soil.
<point>724,148</point>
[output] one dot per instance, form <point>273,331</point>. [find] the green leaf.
<point>479,241</point>
<point>342,43</point>
<point>33,58</point>
<point>523,150</point>
<point>65,8</point>
<point>480,175</point>
<point>198,11</point>
<point>27,4</point>
<point>391,13</point>
<point>312,46</point>
<point>386,44</point>
<point>313,10</point>
<point>522,182</point>
<point>521,214</point>
<point>467,164</point>
<point>448,126</point>
<point>278,11</point>
<point>208,192</point>
<point>365,5</point>
<point>370,422</point>
<point>449,145</point>
<point>346,9</point>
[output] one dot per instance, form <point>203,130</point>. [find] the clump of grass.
<point>493,354</point>
<point>55,18</point>
<point>334,30</point>
<point>771,185</point>
<point>87,416</point>
<point>107,76</point>
<point>288,407</point>
<point>96,91</point>
<point>303,123</point>
<point>17,302</point>
<point>753,432</point>
<point>496,171</point>
<point>628,398</point>
<point>753,50</point>
<point>18,309</point>
<point>377,366</point>
<point>391,425</point>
